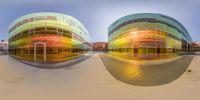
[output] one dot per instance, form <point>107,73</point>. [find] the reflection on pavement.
<point>146,74</point>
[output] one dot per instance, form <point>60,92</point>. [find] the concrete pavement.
<point>88,80</point>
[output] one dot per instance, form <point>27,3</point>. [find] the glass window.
<point>51,50</point>
<point>135,50</point>
<point>152,20</point>
<point>51,18</point>
<point>25,21</point>
<point>143,50</point>
<point>25,33</point>
<point>67,49</point>
<point>40,18</point>
<point>40,29</point>
<point>60,30</point>
<point>60,50</point>
<point>51,29</point>
<point>153,50</point>
<point>67,34</point>
<point>31,19</point>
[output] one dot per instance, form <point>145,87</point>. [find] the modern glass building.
<point>47,37</point>
<point>147,36</point>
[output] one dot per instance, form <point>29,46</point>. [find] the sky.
<point>97,15</point>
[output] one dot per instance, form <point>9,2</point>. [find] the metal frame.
<point>35,51</point>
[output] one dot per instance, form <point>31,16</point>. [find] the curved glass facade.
<point>147,36</point>
<point>47,37</point>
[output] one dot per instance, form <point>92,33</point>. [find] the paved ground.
<point>88,80</point>
<point>146,75</point>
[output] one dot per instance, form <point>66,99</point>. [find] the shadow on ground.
<point>146,75</point>
<point>65,64</point>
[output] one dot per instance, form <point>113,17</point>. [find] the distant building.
<point>195,46</point>
<point>100,46</point>
<point>3,47</point>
